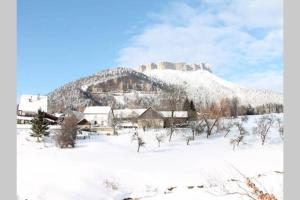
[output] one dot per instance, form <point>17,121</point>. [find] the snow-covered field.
<point>110,168</point>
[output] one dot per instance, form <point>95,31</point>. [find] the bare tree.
<point>115,121</point>
<point>159,138</point>
<point>236,141</point>
<point>188,137</point>
<point>240,127</point>
<point>226,127</point>
<point>280,127</point>
<point>211,115</point>
<point>234,106</point>
<point>247,188</point>
<point>263,126</point>
<point>175,96</point>
<point>197,127</point>
<point>242,132</point>
<point>140,141</point>
<point>67,135</point>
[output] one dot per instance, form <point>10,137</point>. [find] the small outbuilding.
<point>84,124</point>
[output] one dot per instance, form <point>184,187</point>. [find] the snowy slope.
<point>109,168</point>
<point>202,85</point>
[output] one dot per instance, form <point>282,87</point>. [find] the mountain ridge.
<point>127,87</point>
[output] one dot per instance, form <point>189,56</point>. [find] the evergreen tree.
<point>192,111</point>
<point>39,125</point>
<point>250,110</point>
<point>192,106</point>
<point>186,105</point>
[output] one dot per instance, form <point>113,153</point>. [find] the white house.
<point>31,104</point>
<point>98,116</point>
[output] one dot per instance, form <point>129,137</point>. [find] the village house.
<point>142,118</point>
<point>100,118</point>
<point>150,118</point>
<point>127,118</point>
<point>179,117</point>
<point>30,104</point>
<point>52,120</point>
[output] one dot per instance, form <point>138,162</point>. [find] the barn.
<point>150,118</point>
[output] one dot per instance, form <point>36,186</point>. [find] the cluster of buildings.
<point>101,118</point>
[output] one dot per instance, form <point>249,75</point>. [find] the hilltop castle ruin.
<point>174,66</point>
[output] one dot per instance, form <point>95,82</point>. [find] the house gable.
<point>150,113</point>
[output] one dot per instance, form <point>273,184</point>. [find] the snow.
<point>31,103</point>
<point>109,168</point>
<point>202,84</point>
<point>97,110</point>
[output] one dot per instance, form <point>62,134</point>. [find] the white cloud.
<point>271,79</point>
<point>230,35</point>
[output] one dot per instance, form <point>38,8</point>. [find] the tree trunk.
<point>138,150</point>
<point>188,142</point>
<point>226,133</point>
<point>172,130</point>
<point>172,126</point>
<point>38,139</point>
<point>208,133</point>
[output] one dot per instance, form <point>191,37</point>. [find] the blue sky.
<point>60,41</point>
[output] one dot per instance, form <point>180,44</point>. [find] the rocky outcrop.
<point>174,66</point>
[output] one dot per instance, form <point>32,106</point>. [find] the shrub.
<point>67,136</point>
<point>263,126</point>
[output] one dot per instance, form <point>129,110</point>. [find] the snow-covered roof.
<point>31,103</point>
<point>176,113</point>
<point>30,118</point>
<point>58,114</point>
<point>24,118</point>
<point>97,110</point>
<point>128,113</point>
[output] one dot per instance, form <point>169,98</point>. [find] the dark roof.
<point>83,122</point>
<point>49,116</point>
<point>153,114</point>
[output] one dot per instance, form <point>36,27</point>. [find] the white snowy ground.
<point>109,168</point>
